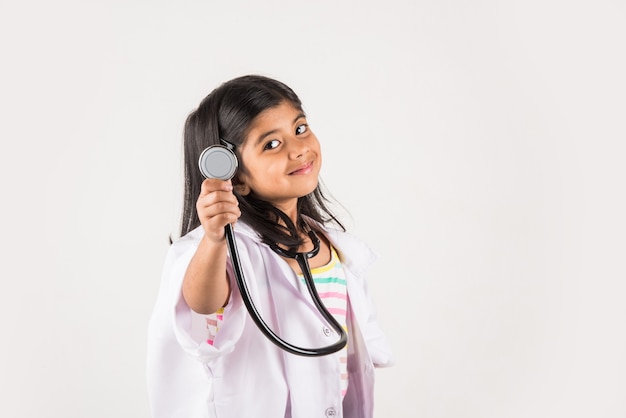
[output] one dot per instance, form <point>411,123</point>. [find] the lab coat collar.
<point>358,259</point>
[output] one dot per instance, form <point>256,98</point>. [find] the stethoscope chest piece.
<point>218,162</point>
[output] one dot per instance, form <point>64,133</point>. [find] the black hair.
<point>227,113</point>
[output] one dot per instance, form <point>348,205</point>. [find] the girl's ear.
<point>242,189</point>
<point>240,186</point>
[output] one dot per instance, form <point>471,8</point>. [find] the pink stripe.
<point>337,311</point>
<point>211,322</point>
<point>210,342</point>
<point>220,317</point>
<point>337,295</point>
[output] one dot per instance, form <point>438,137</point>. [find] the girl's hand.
<point>217,206</point>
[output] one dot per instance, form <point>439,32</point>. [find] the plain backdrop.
<point>477,146</point>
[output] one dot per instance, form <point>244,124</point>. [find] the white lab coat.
<point>243,374</point>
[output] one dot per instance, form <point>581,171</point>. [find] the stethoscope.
<point>220,162</point>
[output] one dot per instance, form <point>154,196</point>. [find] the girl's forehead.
<point>284,110</point>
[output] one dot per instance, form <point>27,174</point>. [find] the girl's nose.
<point>297,148</point>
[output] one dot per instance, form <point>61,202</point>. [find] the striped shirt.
<point>330,282</point>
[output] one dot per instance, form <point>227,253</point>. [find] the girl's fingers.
<point>215,198</point>
<point>217,207</point>
<point>214,225</point>
<point>213,185</point>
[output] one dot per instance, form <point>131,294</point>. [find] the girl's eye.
<point>302,129</point>
<point>271,144</point>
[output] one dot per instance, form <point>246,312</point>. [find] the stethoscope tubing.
<point>302,259</point>
<point>220,162</point>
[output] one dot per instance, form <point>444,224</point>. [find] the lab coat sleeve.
<point>358,258</point>
<point>375,339</point>
<point>189,326</point>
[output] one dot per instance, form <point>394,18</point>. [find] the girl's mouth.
<point>303,169</point>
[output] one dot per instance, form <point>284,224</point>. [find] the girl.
<point>206,357</point>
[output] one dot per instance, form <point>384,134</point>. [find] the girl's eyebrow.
<point>273,131</point>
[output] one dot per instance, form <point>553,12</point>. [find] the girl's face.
<point>281,157</point>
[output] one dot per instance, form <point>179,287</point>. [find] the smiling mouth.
<point>305,169</point>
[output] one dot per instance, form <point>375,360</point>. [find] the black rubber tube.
<point>302,260</point>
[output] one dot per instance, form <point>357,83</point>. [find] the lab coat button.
<point>327,331</point>
<point>331,412</point>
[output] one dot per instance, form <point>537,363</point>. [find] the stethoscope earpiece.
<point>218,162</point>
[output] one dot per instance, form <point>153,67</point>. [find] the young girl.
<point>206,357</point>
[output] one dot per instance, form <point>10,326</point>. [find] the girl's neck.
<point>290,209</point>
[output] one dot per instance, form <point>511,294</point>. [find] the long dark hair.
<point>227,112</point>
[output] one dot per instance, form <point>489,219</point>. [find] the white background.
<point>477,145</point>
